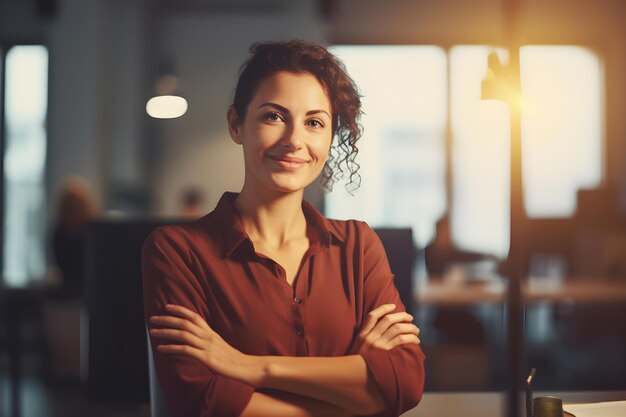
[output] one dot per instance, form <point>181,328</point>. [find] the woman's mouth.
<point>288,163</point>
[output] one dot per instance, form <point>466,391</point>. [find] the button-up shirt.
<point>211,267</point>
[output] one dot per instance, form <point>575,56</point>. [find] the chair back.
<point>401,253</point>
<point>158,406</point>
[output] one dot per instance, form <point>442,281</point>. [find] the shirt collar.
<point>321,223</point>
<point>234,235</point>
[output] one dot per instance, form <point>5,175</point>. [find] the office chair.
<point>401,253</point>
<point>158,406</point>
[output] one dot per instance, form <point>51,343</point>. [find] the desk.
<point>491,404</point>
<point>591,290</point>
<point>560,331</point>
<point>15,303</point>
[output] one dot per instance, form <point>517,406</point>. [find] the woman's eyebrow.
<point>285,110</point>
<point>310,112</point>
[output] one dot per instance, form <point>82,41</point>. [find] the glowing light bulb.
<point>166,107</point>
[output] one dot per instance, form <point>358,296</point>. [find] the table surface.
<point>579,290</point>
<point>491,404</point>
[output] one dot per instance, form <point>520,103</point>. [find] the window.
<point>561,127</point>
<point>25,107</point>
<point>403,151</point>
<point>480,157</point>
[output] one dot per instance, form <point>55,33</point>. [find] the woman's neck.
<point>272,218</point>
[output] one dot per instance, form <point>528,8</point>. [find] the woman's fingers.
<point>182,318</point>
<point>373,316</point>
<point>181,336</point>
<point>183,326</point>
<point>173,322</point>
<point>402,339</point>
<point>185,350</point>
<point>386,322</point>
<point>185,313</point>
<point>399,329</point>
<point>186,333</point>
<point>384,329</point>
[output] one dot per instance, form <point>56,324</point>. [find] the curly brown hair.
<point>298,56</point>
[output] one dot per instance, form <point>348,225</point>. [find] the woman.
<point>75,209</point>
<point>264,307</point>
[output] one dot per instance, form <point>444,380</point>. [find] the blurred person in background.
<point>64,306</point>
<point>75,208</point>
<point>442,253</point>
<point>192,203</point>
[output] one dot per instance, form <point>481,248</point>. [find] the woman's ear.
<point>234,125</point>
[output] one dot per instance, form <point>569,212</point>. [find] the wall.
<point>96,50</point>
<point>208,50</point>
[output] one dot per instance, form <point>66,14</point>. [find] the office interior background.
<point>75,79</point>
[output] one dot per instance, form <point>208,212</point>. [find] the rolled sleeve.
<point>399,372</point>
<point>190,388</point>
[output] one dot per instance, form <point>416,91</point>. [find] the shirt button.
<point>298,332</point>
<point>298,300</point>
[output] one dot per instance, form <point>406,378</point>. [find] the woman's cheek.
<point>324,151</point>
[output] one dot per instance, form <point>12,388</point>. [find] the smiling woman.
<point>264,307</point>
<point>286,136</point>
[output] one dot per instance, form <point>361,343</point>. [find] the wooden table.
<point>577,290</point>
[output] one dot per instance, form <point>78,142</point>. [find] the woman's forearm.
<point>342,381</point>
<point>290,405</point>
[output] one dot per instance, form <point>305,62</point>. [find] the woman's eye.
<point>273,116</point>
<point>315,123</point>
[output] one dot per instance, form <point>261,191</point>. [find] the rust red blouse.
<point>210,266</point>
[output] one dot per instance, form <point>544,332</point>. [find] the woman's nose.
<point>293,137</point>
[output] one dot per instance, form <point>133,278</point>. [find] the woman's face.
<point>286,133</point>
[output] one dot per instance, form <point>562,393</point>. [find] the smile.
<point>289,163</point>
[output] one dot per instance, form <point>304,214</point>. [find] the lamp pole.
<point>514,264</point>
<point>502,82</point>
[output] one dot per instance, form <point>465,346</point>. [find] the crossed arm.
<point>306,386</point>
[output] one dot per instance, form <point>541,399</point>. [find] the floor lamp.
<point>502,82</point>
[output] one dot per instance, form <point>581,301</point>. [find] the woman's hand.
<point>385,330</point>
<point>195,339</point>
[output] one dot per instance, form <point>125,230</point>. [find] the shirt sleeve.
<point>190,388</point>
<point>399,372</point>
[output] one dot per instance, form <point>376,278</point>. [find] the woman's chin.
<point>289,185</point>
<point>278,182</point>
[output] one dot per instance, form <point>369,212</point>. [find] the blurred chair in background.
<point>459,357</point>
<point>117,362</point>
<point>600,244</point>
<point>158,406</point>
<point>441,253</point>
<point>401,253</point>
